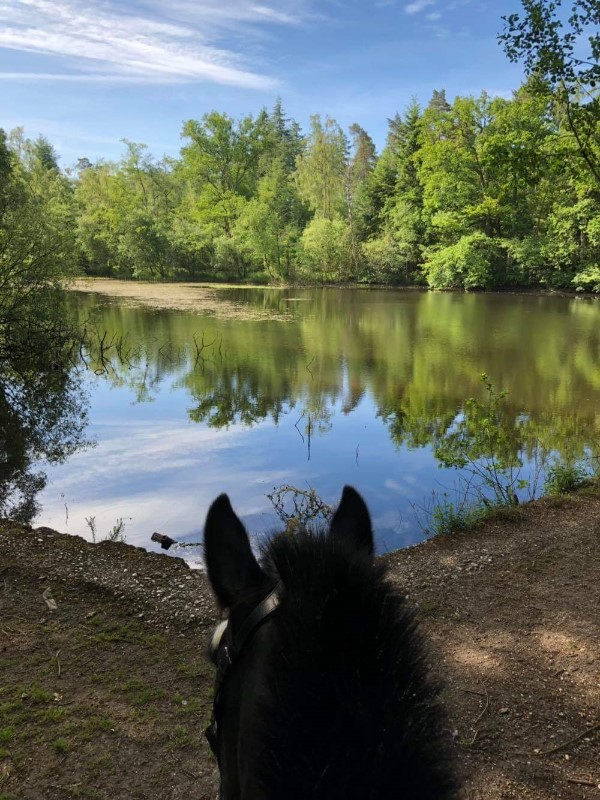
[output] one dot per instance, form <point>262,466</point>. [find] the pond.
<point>315,387</point>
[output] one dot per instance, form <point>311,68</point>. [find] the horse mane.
<point>348,709</point>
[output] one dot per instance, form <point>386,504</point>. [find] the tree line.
<point>479,193</point>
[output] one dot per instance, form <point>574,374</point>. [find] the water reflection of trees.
<point>43,414</point>
<point>417,356</point>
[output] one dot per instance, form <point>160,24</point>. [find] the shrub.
<point>564,478</point>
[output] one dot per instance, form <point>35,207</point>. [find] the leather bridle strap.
<point>225,648</point>
<point>255,619</point>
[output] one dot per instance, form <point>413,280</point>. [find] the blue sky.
<point>87,73</point>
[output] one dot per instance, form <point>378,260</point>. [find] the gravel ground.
<point>108,695</point>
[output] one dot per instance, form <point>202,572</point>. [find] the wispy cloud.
<point>418,5</point>
<point>155,43</point>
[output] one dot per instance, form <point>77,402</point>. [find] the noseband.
<point>225,648</point>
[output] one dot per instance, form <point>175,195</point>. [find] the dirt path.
<point>108,696</point>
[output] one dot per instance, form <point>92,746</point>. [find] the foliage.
<point>126,220</point>
<point>308,509</point>
<point>37,242</point>
<point>488,445</point>
<point>321,169</point>
<point>563,477</point>
<point>325,252</point>
<point>445,516</point>
<point>42,406</point>
<point>116,533</point>
<point>564,58</point>
<point>588,279</point>
<point>42,411</point>
<point>381,257</point>
<point>468,264</point>
<point>478,193</point>
<point>270,223</point>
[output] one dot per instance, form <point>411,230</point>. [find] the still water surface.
<point>317,387</point>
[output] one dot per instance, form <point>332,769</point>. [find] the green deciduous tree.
<point>37,241</point>
<point>563,54</point>
<point>126,221</point>
<point>325,253</point>
<point>321,169</point>
<point>222,163</point>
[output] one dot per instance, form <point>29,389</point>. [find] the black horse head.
<point>322,687</point>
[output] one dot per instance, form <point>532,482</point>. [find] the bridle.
<point>225,648</point>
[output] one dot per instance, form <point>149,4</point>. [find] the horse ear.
<point>351,522</point>
<point>232,568</point>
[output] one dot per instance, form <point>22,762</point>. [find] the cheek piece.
<point>225,648</point>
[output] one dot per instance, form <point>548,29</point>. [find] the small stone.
<point>503,710</point>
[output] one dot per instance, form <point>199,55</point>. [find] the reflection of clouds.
<point>144,447</point>
<point>406,488</point>
<point>390,520</point>
<point>394,486</point>
<point>154,466</point>
<point>160,474</point>
<point>392,530</point>
<point>418,5</point>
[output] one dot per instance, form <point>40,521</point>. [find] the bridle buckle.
<point>223,659</point>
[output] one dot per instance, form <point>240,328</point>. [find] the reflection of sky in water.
<point>414,357</point>
<point>159,471</point>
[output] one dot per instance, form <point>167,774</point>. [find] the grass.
<point>53,714</point>
<point>446,517</point>
<point>130,632</point>
<point>181,737</point>
<point>36,694</point>
<point>78,790</point>
<point>33,715</point>
<point>126,697</point>
<point>429,608</point>
<point>61,745</point>
<point>116,533</point>
<point>88,725</point>
<point>138,693</point>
